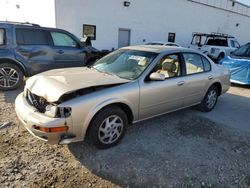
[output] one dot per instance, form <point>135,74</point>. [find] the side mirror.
<point>155,76</point>
<point>82,44</point>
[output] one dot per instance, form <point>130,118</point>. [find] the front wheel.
<point>210,100</point>
<point>11,77</point>
<point>108,127</point>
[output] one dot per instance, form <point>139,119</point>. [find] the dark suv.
<point>27,49</point>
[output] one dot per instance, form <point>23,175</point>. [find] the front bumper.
<point>30,117</point>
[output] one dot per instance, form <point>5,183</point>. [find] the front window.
<point>2,37</point>
<point>234,44</point>
<point>242,51</point>
<point>62,39</point>
<point>127,64</point>
<point>169,66</point>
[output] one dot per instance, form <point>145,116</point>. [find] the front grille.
<point>39,103</point>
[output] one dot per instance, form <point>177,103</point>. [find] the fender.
<point>102,105</point>
<point>14,61</point>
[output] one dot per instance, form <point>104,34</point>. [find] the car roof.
<point>19,23</point>
<point>27,25</point>
<point>159,48</point>
<point>161,42</point>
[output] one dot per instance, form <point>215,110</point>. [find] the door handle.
<point>180,83</point>
<point>210,77</point>
<point>60,51</point>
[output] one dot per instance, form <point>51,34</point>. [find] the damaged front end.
<point>50,121</point>
<point>50,109</point>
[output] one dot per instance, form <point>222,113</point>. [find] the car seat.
<point>168,69</point>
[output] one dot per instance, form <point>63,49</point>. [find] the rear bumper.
<point>31,118</point>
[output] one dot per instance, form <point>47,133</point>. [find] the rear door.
<point>33,48</point>
<point>67,52</point>
<point>198,77</point>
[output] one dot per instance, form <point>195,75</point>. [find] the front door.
<point>158,97</point>
<point>66,51</point>
<point>124,38</point>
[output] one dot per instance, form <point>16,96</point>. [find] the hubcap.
<point>211,99</point>
<point>110,129</point>
<point>8,77</point>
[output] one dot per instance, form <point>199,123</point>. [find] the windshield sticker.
<point>138,58</point>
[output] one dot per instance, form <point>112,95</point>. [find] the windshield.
<point>127,64</point>
<point>242,51</point>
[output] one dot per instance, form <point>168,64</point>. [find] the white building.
<point>119,22</point>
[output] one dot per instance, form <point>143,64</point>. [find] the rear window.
<point>2,37</point>
<point>217,42</point>
<point>207,65</point>
<point>194,63</point>
<point>31,37</point>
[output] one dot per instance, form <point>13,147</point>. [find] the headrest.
<point>132,62</point>
<point>171,67</point>
<point>143,63</point>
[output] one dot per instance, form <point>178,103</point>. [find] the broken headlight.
<point>57,112</point>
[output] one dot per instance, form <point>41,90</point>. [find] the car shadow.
<point>139,160</point>
<point>240,86</point>
<point>177,149</point>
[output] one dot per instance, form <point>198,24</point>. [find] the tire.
<point>210,100</point>
<point>220,57</point>
<point>104,135</point>
<point>11,76</point>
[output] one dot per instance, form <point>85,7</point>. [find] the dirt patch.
<point>196,126</point>
<point>28,162</point>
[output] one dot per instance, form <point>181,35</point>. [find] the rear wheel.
<point>11,77</point>
<point>210,100</point>
<point>108,127</point>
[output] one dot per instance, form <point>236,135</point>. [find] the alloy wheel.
<point>111,129</point>
<point>211,99</point>
<point>8,77</point>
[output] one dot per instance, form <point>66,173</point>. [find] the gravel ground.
<point>180,149</point>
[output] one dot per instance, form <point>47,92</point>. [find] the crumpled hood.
<point>51,85</point>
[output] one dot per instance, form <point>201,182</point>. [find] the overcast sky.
<point>34,11</point>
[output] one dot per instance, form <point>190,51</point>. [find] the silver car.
<point>127,86</point>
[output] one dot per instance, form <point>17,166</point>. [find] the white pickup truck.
<point>215,45</point>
